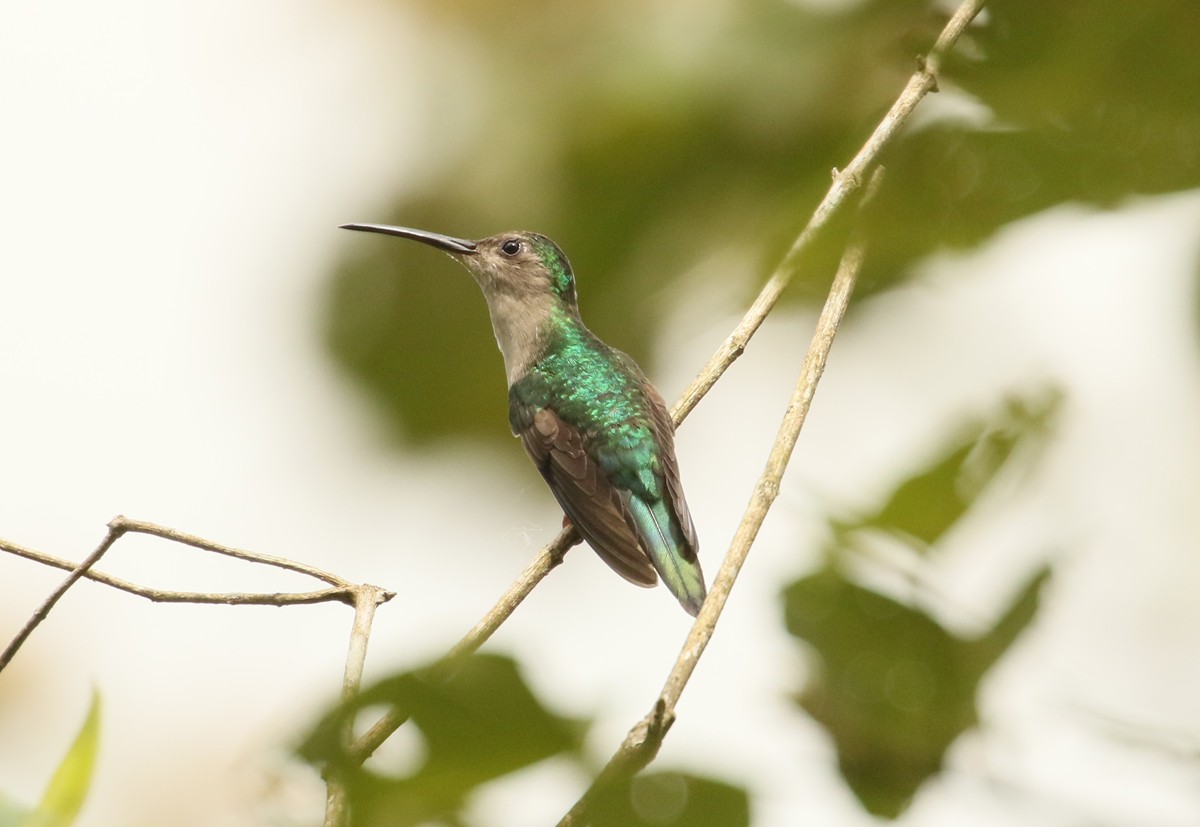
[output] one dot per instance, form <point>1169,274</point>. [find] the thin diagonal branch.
<point>845,184</point>
<point>642,743</point>
<point>111,536</point>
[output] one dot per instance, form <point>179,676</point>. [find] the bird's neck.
<point>525,327</point>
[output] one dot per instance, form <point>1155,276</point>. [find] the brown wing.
<point>585,494</point>
<point>664,432</point>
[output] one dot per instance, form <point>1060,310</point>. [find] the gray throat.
<point>519,324</point>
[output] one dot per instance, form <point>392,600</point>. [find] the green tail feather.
<point>668,551</point>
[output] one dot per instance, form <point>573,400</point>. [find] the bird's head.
<point>517,265</point>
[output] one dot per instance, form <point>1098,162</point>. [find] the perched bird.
<point>594,426</point>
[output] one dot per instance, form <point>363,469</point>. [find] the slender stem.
<point>642,743</point>
<point>114,532</point>
<point>143,527</point>
<point>367,598</point>
<point>343,593</point>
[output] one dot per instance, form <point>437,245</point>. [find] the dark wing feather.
<point>664,433</point>
<point>583,490</point>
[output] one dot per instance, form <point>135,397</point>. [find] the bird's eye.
<point>510,247</point>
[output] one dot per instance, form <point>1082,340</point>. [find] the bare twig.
<point>341,594</point>
<point>845,183</point>
<point>365,598</point>
<point>340,590</point>
<point>143,527</point>
<point>337,812</point>
<point>366,601</point>
<point>643,741</point>
<point>114,532</point>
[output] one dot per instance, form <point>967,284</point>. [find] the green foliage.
<point>479,724</point>
<point>647,150</point>
<point>68,787</point>
<point>894,688</point>
<point>1089,102</point>
<point>667,799</point>
<point>926,505</point>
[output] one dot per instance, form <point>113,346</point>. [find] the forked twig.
<point>340,590</point>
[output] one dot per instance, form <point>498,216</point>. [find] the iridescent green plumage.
<point>600,396</point>
<point>596,429</point>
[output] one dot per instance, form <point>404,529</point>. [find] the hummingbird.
<point>597,430</point>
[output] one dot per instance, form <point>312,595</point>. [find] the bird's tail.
<point>673,558</point>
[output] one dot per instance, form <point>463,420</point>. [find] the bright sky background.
<point>170,182</point>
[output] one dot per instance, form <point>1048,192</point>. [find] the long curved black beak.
<point>448,243</point>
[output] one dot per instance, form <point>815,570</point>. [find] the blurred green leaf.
<point>1091,102</point>
<point>922,508</point>
<point>892,687</point>
<point>667,799</point>
<point>479,724</point>
<point>1112,88</point>
<point>68,787</point>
